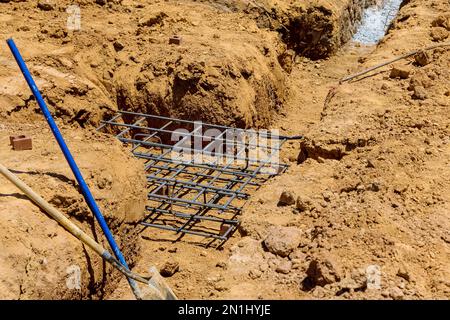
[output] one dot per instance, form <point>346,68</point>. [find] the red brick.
<point>12,138</point>
<point>175,40</point>
<point>21,142</point>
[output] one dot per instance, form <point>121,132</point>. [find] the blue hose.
<point>62,144</point>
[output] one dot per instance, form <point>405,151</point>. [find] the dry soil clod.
<point>170,268</point>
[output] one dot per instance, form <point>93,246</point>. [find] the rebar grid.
<point>199,175</point>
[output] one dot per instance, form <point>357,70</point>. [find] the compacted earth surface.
<point>363,210</point>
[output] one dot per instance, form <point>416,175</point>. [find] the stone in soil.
<point>419,93</point>
<point>396,293</point>
<point>287,198</point>
<point>400,71</point>
<point>282,241</point>
<point>284,267</point>
<point>170,268</point>
<point>46,5</point>
<point>297,255</point>
<point>118,46</point>
<point>304,203</point>
<point>422,58</point>
<point>404,273</point>
<point>323,270</point>
<point>255,274</point>
<point>442,21</point>
<point>439,34</point>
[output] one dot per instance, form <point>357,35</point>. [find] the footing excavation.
<point>199,175</point>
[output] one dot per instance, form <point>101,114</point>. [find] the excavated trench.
<point>317,29</point>
<point>316,32</point>
<point>371,26</point>
<point>247,90</point>
<point>239,93</point>
<point>321,28</point>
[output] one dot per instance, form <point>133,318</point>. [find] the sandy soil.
<point>38,257</point>
<point>371,179</point>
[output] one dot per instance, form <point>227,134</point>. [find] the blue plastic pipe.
<point>62,144</point>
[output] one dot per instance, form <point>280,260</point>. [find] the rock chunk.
<point>287,198</point>
<point>153,19</point>
<point>323,270</point>
<point>286,60</point>
<point>170,268</point>
<point>439,34</point>
<point>304,203</point>
<point>282,241</point>
<point>400,71</point>
<point>46,5</point>
<point>254,274</point>
<point>442,21</point>
<point>422,58</point>
<point>297,255</point>
<point>396,293</point>
<point>118,45</point>
<point>419,93</point>
<point>404,273</point>
<point>284,267</point>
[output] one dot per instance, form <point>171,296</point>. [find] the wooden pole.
<point>406,55</point>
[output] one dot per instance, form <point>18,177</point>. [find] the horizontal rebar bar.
<point>198,174</point>
<point>186,134</point>
<point>227,175</point>
<point>192,216</point>
<point>197,186</point>
<point>195,165</point>
<point>198,233</point>
<point>278,137</point>
<point>123,132</point>
<point>213,154</point>
<point>150,136</point>
<point>168,199</point>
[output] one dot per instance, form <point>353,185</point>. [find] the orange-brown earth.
<point>370,182</point>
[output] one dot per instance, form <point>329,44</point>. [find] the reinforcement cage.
<point>198,175</point>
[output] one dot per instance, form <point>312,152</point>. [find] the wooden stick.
<point>157,288</point>
<point>54,213</point>
<point>406,55</point>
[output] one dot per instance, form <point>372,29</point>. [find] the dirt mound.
<point>225,70</point>
<point>218,73</point>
